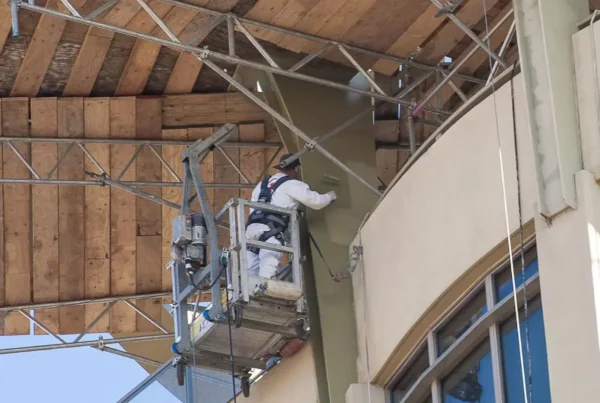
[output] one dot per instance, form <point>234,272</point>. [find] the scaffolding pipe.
<point>95,343</point>
<point>205,54</point>
<point>453,73</point>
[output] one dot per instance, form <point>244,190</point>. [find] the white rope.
<point>507,219</point>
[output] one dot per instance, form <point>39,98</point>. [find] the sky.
<point>71,375</point>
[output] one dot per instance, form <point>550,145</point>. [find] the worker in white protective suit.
<point>281,190</point>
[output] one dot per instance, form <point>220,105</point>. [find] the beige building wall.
<point>293,380</point>
<point>442,217</point>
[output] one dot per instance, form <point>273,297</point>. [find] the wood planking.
<point>97,214</point>
<point>480,57</point>
<point>447,37</point>
<point>44,199</point>
<point>387,160</point>
<point>184,74</point>
<point>411,40</point>
<point>122,215</point>
<point>193,110</point>
<point>264,11</point>
<point>288,17</point>
<point>5,23</point>
<point>313,21</point>
<point>340,22</point>
<point>41,50</point>
<point>252,159</point>
<point>144,53</point>
<point>172,155</point>
<point>17,215</point>
<point>95,47</point>
<point>188,66</point>
<point>71,236</point>
<point>148,213</point>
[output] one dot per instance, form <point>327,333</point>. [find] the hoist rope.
<point>507,219</point>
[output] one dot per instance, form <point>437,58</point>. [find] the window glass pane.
<point>513,383</point>
<point>503,280</point>
<point>472,381</point>
<point>462,321</point>
<point>411,375</point>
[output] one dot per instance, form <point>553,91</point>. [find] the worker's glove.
<point>333,195</point>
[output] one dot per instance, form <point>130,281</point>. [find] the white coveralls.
<point>288,195</point>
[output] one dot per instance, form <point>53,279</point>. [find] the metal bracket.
<point>447,8</point>
<point>357,250</point>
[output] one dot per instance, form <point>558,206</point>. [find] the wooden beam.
<point>148,213</point>
<point>17,216</point>
<point>41,50</point>
<point>264,11</point>
<point>122,215</point>
<point>71,235</point>
<point>5,23</point>
<point>193,110</point>
<point>44,199</point>
<point>411,40</point>
<point>95,47</point>
<point>144,53</point>
<point>184,74</point>
<point>97,214</point>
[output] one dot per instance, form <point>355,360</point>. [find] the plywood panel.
<point>193,110</point>
<point>41,49</point>
<point>184,74</point>
<point>313,21</point>
<point>289,16</point>
<point>5,23</point>
<point>239,108</point>
<point>95,47</point>
<point>341,22</point>
<point>44,199</point>
<point>17,215</point>
<point>172,155</point>
<point>144,53</point>
<point>71,220</point>
<point>264,11</point>
<point>122,215</point>
<point>411,39</point>
<point>252,159</point>
<point>97,214</point>
<point>148,213</point>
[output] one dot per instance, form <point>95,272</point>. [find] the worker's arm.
<point>301,192</point>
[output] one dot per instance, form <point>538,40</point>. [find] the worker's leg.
<point>254,231</point>
<point>252,263</point>
<point>269,260</point>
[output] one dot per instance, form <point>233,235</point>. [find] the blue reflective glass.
<point>473,380</point>
<point>504,280</point>
<point>462,321</point>
<point>513,383</point>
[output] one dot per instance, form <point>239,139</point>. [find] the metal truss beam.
<point>102,178</point>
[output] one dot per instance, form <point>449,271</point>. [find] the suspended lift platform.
<point>250,319</point>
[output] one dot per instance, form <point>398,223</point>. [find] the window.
<point>472,380</point>
<point>503,280</point>
<point>466,317</point>
<point>511,361</point>
<point>411,374</point>
<point>476,346</point>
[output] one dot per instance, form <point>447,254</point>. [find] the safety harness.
<point>277,223</point>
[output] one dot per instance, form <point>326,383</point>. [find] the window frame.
<point>486,327</point>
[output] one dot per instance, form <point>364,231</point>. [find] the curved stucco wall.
<point>439,219</point>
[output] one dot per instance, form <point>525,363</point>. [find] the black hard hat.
<point>292,165</point>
